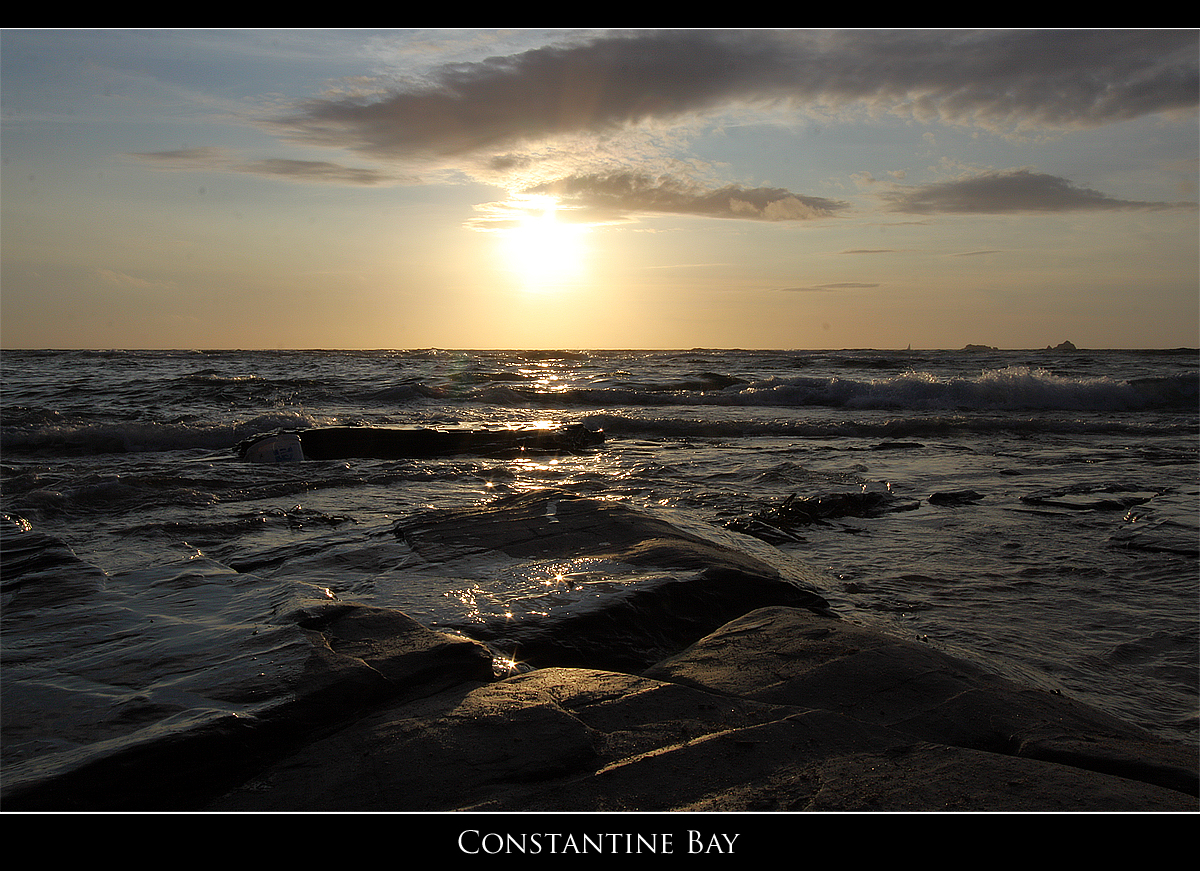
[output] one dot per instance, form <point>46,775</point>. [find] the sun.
<point>542,250</point>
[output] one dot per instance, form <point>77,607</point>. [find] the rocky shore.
<point>708,680</point>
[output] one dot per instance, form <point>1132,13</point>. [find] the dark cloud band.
<point>636,192</point>
<point>1016,191</point>
<point>996,79</point>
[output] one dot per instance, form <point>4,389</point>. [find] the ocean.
<point>1035,511</point>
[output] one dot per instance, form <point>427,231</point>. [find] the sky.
<point>792,189</point>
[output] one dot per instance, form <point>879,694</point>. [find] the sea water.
<point>1061,548</point>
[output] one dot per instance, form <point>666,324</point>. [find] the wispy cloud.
<point>840,285</point>
<point>317,171</point>
<point>1019,190</point>
<point>125,281</point>
<point>207,156</point>
<point>625,192</point>
<point>312,171</point>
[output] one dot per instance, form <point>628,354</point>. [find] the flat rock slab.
<point>794,657</point>
<point>552,523</point>
<point>557,579</point>
<point>586,740</point>
<point>780,710</point>
<point>818,761</point>
<point>394,443</point>
<point>775,523</point>
<point>340,706</point>
<point>542,740</point>
<point>319,667</point>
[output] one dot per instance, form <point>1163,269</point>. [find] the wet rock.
<point>784,656</point>
<point>342,442</point>
<point>431,755</point>
<point>39,569</point>
<point>618,588</point>
<point>896,446</point>
<point>327,664</point>
<point>954,497</point>
<point>776,523</point>
<point>779,710</point>
<point>524,742</point>
<point>390,650</point>
<point>1085,499</point>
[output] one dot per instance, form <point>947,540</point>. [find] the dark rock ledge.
<point>782,707</point>
<point>780,710</point>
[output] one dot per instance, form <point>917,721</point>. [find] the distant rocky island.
<point>1062,346</point>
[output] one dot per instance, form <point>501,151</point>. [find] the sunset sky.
<point>599,189</point>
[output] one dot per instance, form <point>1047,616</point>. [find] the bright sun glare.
<point>542,250</point>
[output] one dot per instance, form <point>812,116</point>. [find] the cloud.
<point>209,158</point>
<point>123,280</point>
<point>317,171</point>
<point>184,158</point>
<point>581,110</point>
<point>841,285</point>
<point>1001,80</point>
<point>623,192</point>
<point>1019,190</point>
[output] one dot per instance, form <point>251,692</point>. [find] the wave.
<point>1002,390</point>
<point>211,409</point>
<point>85,439</point>
<point>887,427</point>
<point>82,438</point>
<point>1016,388</point>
